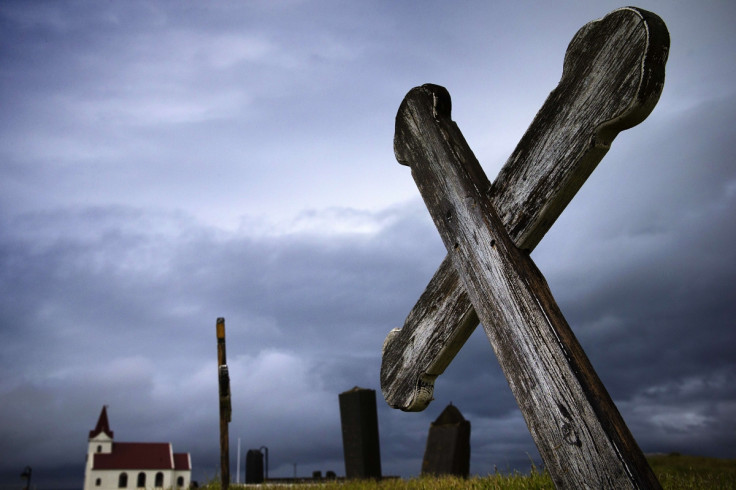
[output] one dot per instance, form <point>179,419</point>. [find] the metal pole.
<point>27,475</point>
<point>265,449</point>
<point>225,406</point>
<point>237,465</point>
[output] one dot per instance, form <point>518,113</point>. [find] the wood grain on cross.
<point>612,77</point>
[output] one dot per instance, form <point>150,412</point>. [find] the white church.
<point>115,465</point>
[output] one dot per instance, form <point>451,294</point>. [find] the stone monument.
<point>448,445</point>
<point>359,421</point>
<point>254,466</point>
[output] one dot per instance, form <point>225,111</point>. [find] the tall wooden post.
<point>580,434</point>
<point>225,405</point>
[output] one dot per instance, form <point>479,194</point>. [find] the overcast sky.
<point>167,163</point>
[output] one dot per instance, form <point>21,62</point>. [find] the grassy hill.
<point>675,472</point>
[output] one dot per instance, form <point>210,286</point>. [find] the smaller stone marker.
<point>359,421</point>
<point>254,466</point>
<point>448,445</point>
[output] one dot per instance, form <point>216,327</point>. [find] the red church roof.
<point>102,425</point>
<point>182,462</point>
<point>136,455</point>
<point>141,456</point>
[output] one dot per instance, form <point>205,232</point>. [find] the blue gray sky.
<point>166,163</point>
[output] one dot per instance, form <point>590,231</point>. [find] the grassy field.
<point>675,472</point>
<point>693,472</point>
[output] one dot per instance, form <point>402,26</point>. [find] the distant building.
<point>115,465</point>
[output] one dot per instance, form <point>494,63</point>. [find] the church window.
<point>180,481</point>
<point>123,480</point>
<point>141,480</point>
<point>98,482</point>
<point>99,449</point>
<point>159,479</point>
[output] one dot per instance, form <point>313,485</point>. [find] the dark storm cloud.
<point>662,270</point>
<point>166,164</point>
<point>306,315</point>
<point>651,292</point>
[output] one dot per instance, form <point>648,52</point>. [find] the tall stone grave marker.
<point>360,433</point>
<point>254,466</point>
<point>448,445</point>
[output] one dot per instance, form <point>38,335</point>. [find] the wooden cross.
<point>612,77</point>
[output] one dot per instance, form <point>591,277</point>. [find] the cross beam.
<point>612,78</point>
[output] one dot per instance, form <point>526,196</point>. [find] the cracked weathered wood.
<point>580,434</point>
<point>613,74</point>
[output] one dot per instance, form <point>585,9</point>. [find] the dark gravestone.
<point>360,433</point>
<point>254,466</point>
<point>448,445</point>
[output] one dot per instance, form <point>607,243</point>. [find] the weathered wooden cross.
<point>612,77</point>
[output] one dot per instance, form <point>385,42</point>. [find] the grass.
<point>674,471</point>
<point>532,481</point>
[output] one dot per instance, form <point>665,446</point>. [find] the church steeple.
<point>103,426</point>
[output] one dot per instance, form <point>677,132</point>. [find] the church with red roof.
<point>115,465</point>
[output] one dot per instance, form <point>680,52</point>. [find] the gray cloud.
<point>306,315</point>
<point>164,166</point>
